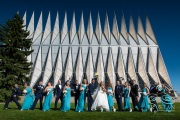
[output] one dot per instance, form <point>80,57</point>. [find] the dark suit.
<point>77,93</point>
<point>39,96</point>
<point>134,94</point>
<point>58,92</point>
<point>152,97</point>
<point>90,93</point>
<point>14,97</point>
<point>119,89</point>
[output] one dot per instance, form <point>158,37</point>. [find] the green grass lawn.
<point>14,114</point>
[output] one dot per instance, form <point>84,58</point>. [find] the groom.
<point>90,94</point>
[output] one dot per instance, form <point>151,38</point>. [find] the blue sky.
<point>163,14</point>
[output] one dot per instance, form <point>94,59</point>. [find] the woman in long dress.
<point>66,102</point>
<point>166,99</point>
<point>110,96</point>
<point>48,98</point>
<point>100,98</point>
<point>85,91</point>
<point>80,104</point>
<point>144,103</point>
<point>29,97</point>
<point>127,104</point>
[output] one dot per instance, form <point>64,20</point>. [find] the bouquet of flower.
<point>24,91</point>
<point>159,88</point>
<point>110,92</point>
<point>64,92</point>
<point>48,90</point>
<point>81,89</point>
<point>144,93</point>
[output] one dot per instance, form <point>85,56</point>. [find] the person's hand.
<point>119,96</point>
<point>137,97</point>
<point>14,96</point>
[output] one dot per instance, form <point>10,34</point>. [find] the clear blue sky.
<point>163,14</point>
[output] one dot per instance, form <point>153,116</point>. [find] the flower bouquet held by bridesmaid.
<point>29,97</point>
<point>48,98</point>
<point>66,101</point>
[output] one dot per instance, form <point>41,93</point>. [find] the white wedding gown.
<point>100,99</point>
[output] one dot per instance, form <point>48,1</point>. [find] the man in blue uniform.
<point>14,97</point>
<point>119,90</point>
<point>39,95</point>
<point>58,93</point>
<point>91,88</point>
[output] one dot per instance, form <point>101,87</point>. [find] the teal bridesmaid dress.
<point>166,101</point>
<point>28,100</point>
<point>48,100</point>
<point>66,102</point>
<point>144,103</point>
<point>110,99</point>
<point>81,100</point>
<point>127,104</point>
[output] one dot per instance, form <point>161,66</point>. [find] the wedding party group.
<point>99,97</point>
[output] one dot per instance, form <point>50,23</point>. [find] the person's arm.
<point>129,90</point>
<point>130,81</point>
<point>147,91</point>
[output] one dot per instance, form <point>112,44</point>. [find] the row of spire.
<point>89,31</point>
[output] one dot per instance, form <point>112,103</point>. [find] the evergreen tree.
<point>14,50</point>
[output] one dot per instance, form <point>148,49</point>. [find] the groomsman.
<point>152,96</point>
<point>39,95</point>
<point>76,91</point>
<point>134,95</point>
<point>14,97</point>
<point>58,93</point>
<point>91,88</point>
<point>119,90</point>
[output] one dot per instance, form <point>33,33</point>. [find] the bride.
<point>100,98</point>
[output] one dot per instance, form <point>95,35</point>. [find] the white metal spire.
<point>73,28</point>
<point>149,31</point>
<point>31,25</point>
<point>38,28</point>
<point>115,30</point>
<point>81,30</point>
<point>141,30</point>
<point>124,29</point>
<point>98,30</point>
<point>90,29</point>
<point>107,29</point>
<point>64,30</point>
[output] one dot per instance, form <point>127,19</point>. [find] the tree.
<point>14,50</point>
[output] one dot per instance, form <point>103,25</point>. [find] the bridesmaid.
<point>29,97</point>
<point>48,98</point>
<point>85,91</point>
<point>81,101</point>
<point>127,104</point>
<point>144,103</point>
<point>166,99</point>
<point>110,92</point>
<point>66,102</point>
